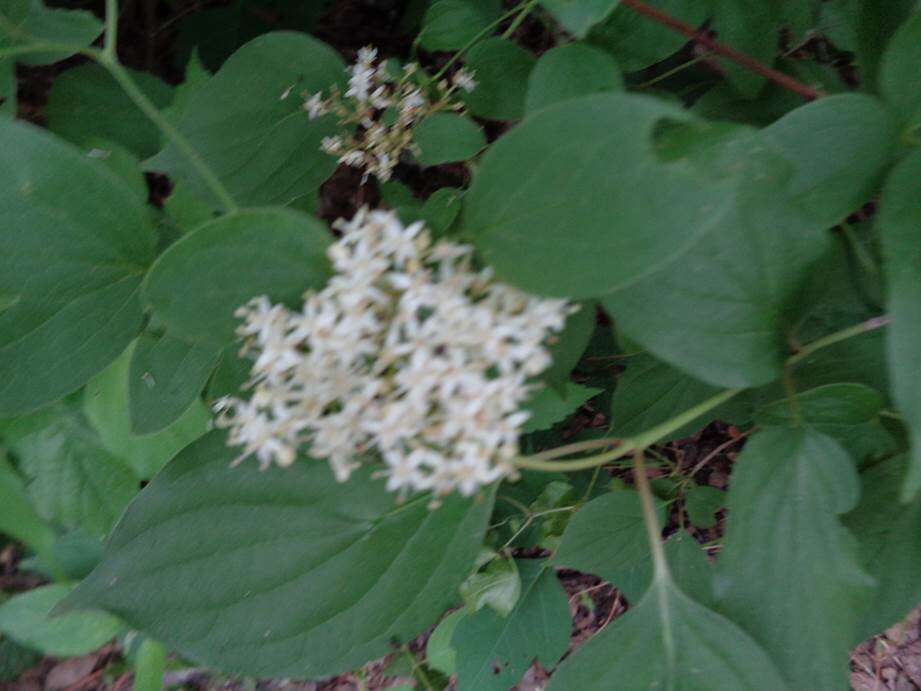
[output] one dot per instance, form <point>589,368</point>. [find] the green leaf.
<point>498,586</point>
<point>740,296</point>
<point>452,24</point>
<point>493,652</point>
<point>785,545</point>
<point>578,16</point>
<point>27,619</point>
<point>839,147</point>
<point>606,537</point>
<point>541,205</point>
<point>669,641</point>
<point>258,587</point>
<point>690,568</point>
<point>18,518</point>
<point>85,103</point>
<point>107,405</point>
<point>552,405</point>
<point>567,347</point>
<point>848,413</point>
<point>198,283</point>
<point>650,392</point>
<point>32,22</point>
<point>166,377</point>
<point>72,480</point>
<point>889,535</point>
<point>899,223</point>
<point>501,70</point>
<point>570,71</point>
<point>263,148</point>
<point>702,502</point>
<point>636,42</point>
<point>74,245</point>
<point>899,81</point>
<point>447,137</point>
<point>440,653</point>
<point>149,666</point>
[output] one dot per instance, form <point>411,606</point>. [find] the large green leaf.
<point>900,225</point>
<point>606,538</point>
<point>501,69</point>
<point>263,148</point>
<point>198,283</point>
<point>27,619</point>
<point>74,245</point>
<point>106,403</point>
<point>281,572</point>
<point>848,413</point>
<point>537,628</point>
<point>570,71</point>
<point>900,80</point>
<point>72,480</point>
<point>85,104</point>
<point>166,377</point>
<point>889,535</point>
<point>650,392</point>
<point>838,147</point>
<point>577,201</point>
<point>669,641</point>
<point>785,546</point>
<point>723,315</point>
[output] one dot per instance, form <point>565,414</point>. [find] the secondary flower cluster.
<point>381,108</point>
<point>409,354</point>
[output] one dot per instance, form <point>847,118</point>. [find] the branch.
<point>713,45</point>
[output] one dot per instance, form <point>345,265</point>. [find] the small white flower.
<point>315,106</point>
<point>463,79</point>
<point>331,145</point>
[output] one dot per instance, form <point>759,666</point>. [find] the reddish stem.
<point>715,46</point>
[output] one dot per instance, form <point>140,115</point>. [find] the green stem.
<point>626,446</point>
<point>111,35</point>
<point>525,11</point>
<point>653,530</point>
<point>856,330</point>
<point>632,444</point>
<point>120,74</point>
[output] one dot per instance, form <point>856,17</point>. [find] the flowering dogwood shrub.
<point>331,354</point>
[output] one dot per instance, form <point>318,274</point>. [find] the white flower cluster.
<point>409,354</point>
<point>372,92</point>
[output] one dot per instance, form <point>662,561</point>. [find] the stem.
<point>150,110</point>
<point>856,330</point>
<point>630,445</point>
<point>790,388</point>
<point>735,56</point>
<point>542,461</point>
<point>653,530</point>
<point>525,11</point>
<point>111,34</point>
<point>576,447</point>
